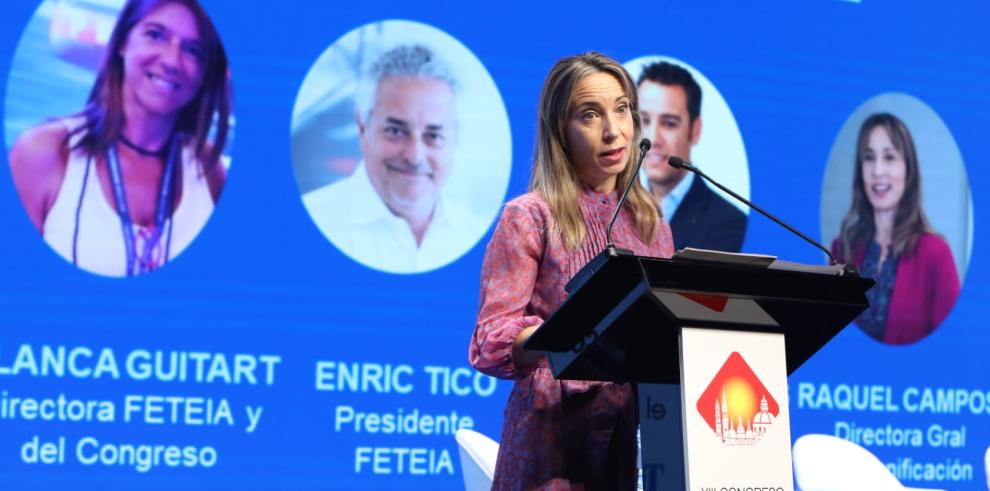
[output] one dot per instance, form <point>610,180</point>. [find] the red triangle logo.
<point>736,405</point>
<point>713,302</point>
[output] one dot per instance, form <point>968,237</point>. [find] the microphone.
<point>588,270</point>
<point>679,163</point>
<point>644,146</point>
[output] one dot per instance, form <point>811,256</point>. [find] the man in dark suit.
<point>670,110</point>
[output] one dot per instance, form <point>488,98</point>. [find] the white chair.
<point>986,464</point>
<point>829,463</point>
<point>478,454</point>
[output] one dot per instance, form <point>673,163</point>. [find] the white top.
<point>100,242</point>
<point>354,218</point>
<point>673,199</point>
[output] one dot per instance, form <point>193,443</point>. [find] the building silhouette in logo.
<point>742,432</point>
<point>736,405</point>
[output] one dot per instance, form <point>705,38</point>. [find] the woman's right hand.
<point>523,357</point>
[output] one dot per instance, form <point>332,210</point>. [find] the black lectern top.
<point>616,325</point>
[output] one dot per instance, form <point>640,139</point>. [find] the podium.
<point>711,343</point>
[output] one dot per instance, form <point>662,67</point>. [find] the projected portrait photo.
<point>684,115</point>
<point>117,122</point>
<point>896,203</point>
<point>401,147</point>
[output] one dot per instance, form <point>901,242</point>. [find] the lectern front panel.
<point>735,412</point>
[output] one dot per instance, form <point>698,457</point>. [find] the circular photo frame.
<point>896,202</point>
<point>683,114</point>
<point>401,147</point>
<point>118,124</point>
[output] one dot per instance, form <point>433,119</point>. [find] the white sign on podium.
<point>734,410</point>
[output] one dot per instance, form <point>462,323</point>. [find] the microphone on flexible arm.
<point>679,163</point>
<point>588,270</point>
<point>644,146</point>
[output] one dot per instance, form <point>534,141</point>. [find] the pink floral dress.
<point>557,434</point>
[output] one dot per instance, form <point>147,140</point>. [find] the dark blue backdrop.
<point>260,279</point>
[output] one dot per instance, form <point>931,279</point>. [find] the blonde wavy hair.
<point>555,177</point>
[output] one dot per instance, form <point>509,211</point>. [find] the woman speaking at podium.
<point>557,434</point>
